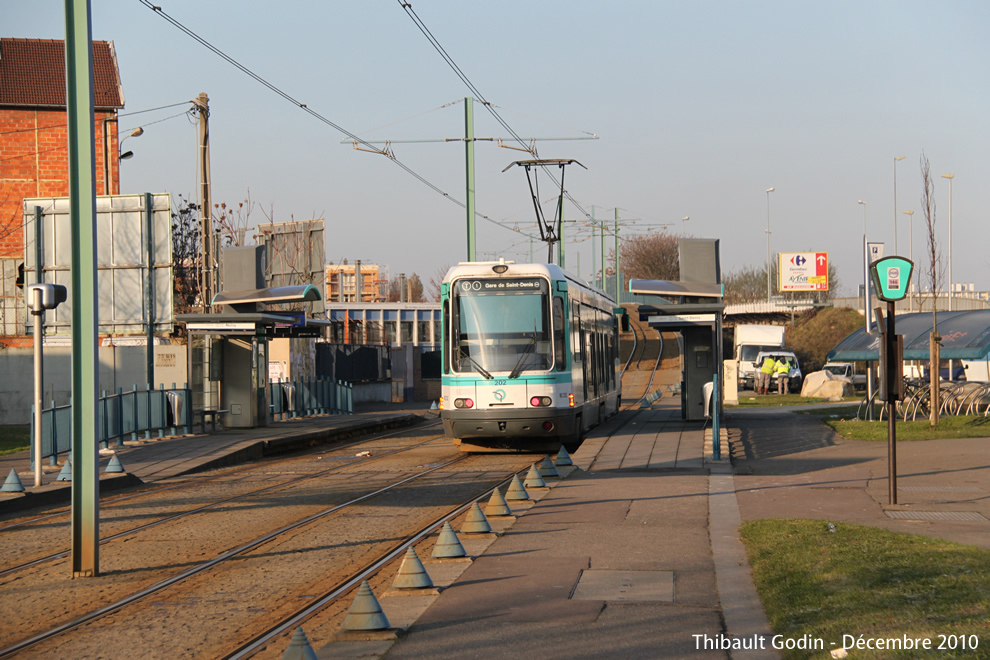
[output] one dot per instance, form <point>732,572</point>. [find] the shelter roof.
<point>32,74</point>
<point>965,336</point>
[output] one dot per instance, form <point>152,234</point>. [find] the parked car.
<point>847,370</point>
<point>795,375</point>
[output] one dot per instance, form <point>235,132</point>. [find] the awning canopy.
<point>965,336</point>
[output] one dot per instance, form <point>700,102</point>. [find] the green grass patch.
<point>14,439</point>
<point>750,400</point>
<point>871,582</point>
<point>958,426</point>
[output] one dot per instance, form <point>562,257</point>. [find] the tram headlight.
<point>464,403</point>
<point>440,407</point>
<point>570,400</point>
<point>540,401</point>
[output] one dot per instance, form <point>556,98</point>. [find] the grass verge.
<point>960,426</point>
<point>750,400</point>
<point>869,582</point>
<point>14,439</point>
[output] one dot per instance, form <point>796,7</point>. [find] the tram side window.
<point>446,341</point>
<point>576,341</point>
<point>559,345</point>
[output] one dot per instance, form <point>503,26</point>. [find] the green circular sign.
<point>891,277</point>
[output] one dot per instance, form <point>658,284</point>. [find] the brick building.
<point>33,134</point>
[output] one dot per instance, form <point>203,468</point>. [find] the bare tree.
<point>934,276</point>
<point>187,257</point>
<point>652,257</point>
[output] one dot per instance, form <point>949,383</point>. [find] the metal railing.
<point>955,398</point>
<point>119,415</point>
<point>305,398</point>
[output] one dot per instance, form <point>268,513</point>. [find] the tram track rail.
<point>236,498</point>
<point>344,587</point>
<point>239,552</point>
<point>190,482</point>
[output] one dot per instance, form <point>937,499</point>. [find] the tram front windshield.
<point>501,325</point>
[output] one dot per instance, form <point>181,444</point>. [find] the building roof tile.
<point>32,74</point>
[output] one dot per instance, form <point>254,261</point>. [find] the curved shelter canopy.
<point>965,336</point>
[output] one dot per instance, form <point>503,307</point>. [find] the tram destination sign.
<point>486,286</point>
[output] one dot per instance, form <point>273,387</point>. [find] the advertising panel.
<point>802,271</point>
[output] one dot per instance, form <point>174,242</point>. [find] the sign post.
<point>891,277</point>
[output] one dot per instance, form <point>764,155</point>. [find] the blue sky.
<point>699,108</point>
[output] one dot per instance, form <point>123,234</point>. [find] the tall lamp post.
<point>683,225</point>
<point>896,158</point>
<point>950,177</point>
<point>866,273</point>
<point>769,190</point>
<point>867,314</point>
<point>911,256</point>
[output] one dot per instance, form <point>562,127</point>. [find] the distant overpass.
<point>779,311</point>
<point>775,311</point>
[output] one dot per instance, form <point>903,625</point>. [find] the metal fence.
<point>304,398</point>
<point>119,415</point>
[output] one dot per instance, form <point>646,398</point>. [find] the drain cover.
<point>643,586</point>
<point>967,516</point>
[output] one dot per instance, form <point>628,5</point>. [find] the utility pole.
<point>208,273</point>
<point>561,250</point>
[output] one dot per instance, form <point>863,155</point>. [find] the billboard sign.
<point>802,271</point>
<point>124,273</point>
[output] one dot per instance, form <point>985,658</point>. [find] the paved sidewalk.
<point>789,465</point>
<point>634,555</point>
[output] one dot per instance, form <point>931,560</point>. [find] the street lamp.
<point>950,177</point>
<point>896,158</point>
<point>683,227</point>
<point>866,273</point>
<point>769,190</point>
<point>124,155</point>
<point>911,256</point>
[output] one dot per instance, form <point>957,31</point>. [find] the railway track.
<point>52,526</point>
<point>640,360</point>
<point>303,560</point>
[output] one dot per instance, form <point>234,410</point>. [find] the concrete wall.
<point>120,366</point>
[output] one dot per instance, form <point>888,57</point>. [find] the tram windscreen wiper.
<point>481,369</point>
<point>522,357</point>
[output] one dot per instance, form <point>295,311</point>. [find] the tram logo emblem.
<point>499,395</point>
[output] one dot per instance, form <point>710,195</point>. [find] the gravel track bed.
<point>215,610</point>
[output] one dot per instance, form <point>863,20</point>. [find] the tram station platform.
<point>156,459</point>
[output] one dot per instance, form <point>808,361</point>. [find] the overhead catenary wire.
<point>157,9</point>
<point>484,101</point>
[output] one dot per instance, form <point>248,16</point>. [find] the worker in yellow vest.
<point>763,386</point>
<point>783,370</point>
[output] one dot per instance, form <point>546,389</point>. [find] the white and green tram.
<point>530,357</point>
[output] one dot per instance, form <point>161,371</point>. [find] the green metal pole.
<point>149,288</point>
<point>594,257</point>
<point>603,255</point>
<point>561,250</point>
<point>85,306</point>
<point>618,282</point>
<point>469,157</point>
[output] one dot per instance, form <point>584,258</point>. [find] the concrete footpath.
<point>635,554</point>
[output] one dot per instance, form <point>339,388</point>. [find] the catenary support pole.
<point>618,280</point>
<point>469,169</point>
<point>85,306</point>
<point>149,288</point>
